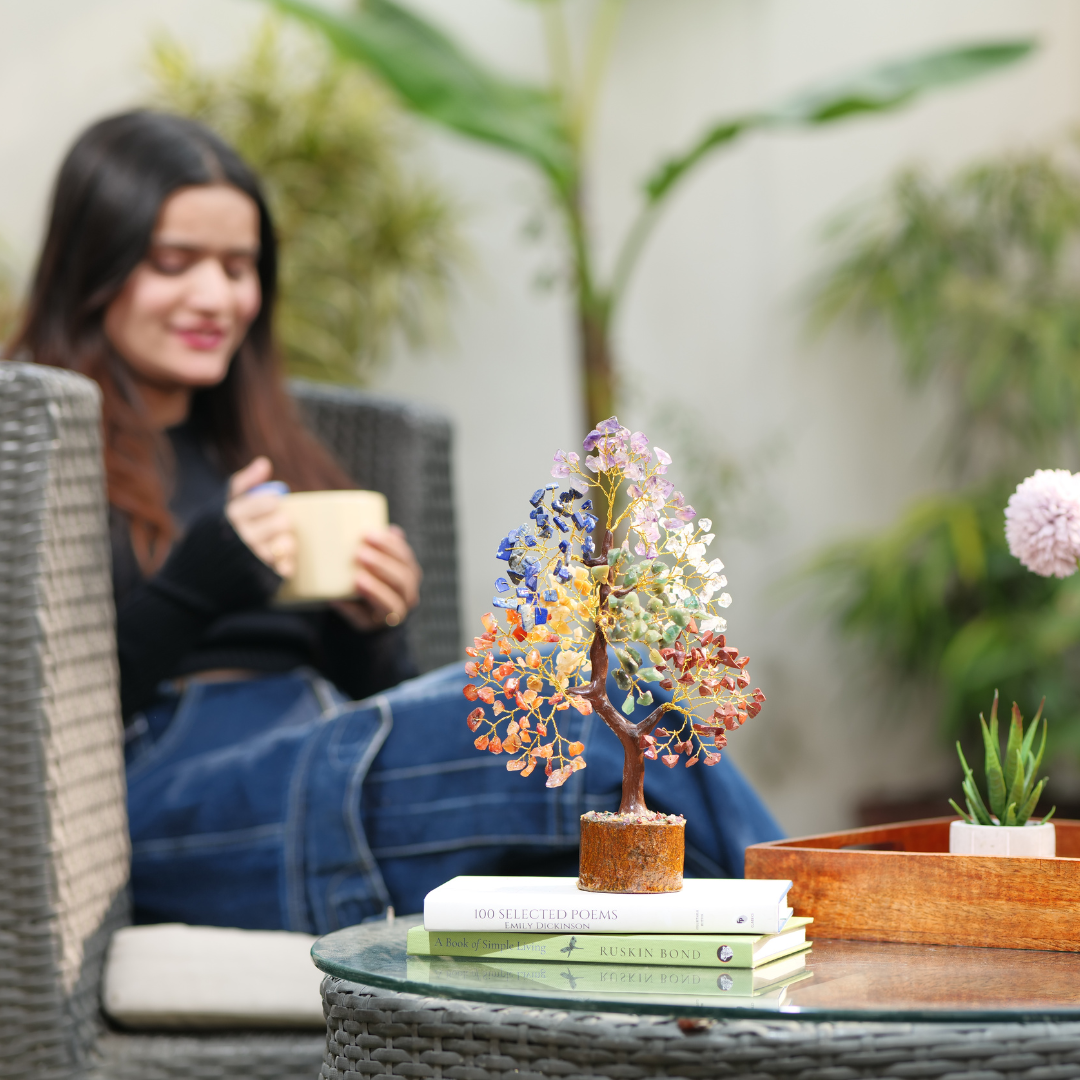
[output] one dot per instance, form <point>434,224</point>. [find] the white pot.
<point>1032,840</point>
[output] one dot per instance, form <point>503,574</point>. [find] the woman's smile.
<point>201,338</point>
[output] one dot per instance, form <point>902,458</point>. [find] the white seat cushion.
<point>172,976</point>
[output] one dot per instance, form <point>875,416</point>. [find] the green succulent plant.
<point>1012,792</point>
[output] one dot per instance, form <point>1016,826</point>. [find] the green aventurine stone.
<point>671,633</point>
<point>632,575</point>
<point>628,704</point>
<point>614,603</point>
<point>649,674</point>
<point>629,659</point>
<point>622,679</point>
<point>646,698</point>
<point>652,637</point>
<point>655,605</point>
<point>655,657</point>
<point>632,602</point>
<point>691,602</point>
<point>599,573</point>
<point>678,617</point>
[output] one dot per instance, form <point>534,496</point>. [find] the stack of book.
<point>729,939</point>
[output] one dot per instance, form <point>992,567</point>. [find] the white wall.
<point>713,321</point>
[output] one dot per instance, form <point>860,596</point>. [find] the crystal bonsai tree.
<point>571,590</point>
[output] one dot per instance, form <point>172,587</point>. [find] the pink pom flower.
<point>1042,522</point>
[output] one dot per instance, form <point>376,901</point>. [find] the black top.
<point>208,606</point>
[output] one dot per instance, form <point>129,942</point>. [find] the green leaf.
<point>1028,808</point>
<point>1013,765</point>
<point>994,720</point>
<point>436,78</point>
<point>1053,809</point>
<point>877,89</point>
<point>1010,815</point>
<point>970,819</point>
<point>975,803</point>
<point>995,781</point>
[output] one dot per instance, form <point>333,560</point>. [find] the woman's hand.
<point>260,520</point>
<point>387,581</point>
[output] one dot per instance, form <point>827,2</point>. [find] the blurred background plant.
<point>368,246</point>
<point>977,280</point>
<point>549,127</point>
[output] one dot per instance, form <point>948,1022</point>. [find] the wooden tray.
<point>899,883</point>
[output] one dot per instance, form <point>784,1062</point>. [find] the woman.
<point>275,779</point>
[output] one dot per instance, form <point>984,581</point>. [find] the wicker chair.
<point>63,829</point>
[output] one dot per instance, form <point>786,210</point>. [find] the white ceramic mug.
<point>328,526</point>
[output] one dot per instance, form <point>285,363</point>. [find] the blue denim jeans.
<point>275,803</point>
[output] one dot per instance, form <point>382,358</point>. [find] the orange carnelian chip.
<point>533,658</point>
<point>575,748</point>
<point>470,692</point>
<point>490,623</point>
<point>481,743</point>
<point>486,694</point>
<point>495,746</point>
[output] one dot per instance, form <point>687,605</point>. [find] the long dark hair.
<point>107,199</point>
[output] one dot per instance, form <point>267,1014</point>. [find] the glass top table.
<point>841,980</point>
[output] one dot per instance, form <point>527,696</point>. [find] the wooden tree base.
<point>631,853</point>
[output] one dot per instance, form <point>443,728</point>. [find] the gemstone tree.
<point>564,602</point>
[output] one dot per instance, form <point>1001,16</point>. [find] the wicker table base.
<point>372,1032</point>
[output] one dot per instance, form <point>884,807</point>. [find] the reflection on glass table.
<point>833,980</point>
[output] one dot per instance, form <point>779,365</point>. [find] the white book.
<point>556,905</point>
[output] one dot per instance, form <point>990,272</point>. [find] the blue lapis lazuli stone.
<point>503,602</point>
<point>541,616</point>
<point>503,553</point>
<point>536,496</point>
<point>591,521</point>
<point>524,591</point>
<point>561,525</point>
<point>530,541</point>
<point>566,496</point>
<point>531,582</point>
<point>550,596</point>
<point>580,519</point>
<point>564,547</point>
<point>545,531</point>
<point>563,574</point>
<point>587,504</point>
<point>550,487</point>
<point>588,547</point>
<point>502,584</point>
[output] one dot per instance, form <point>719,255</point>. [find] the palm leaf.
<point>436,78</point>
<point>875,90</point>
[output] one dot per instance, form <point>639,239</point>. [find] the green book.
<point>738,987</point>
<point>673,950</point>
